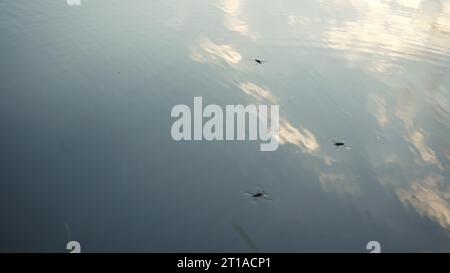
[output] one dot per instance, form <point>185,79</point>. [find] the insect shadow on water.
<point>340,144</point>
<point>259,194</point>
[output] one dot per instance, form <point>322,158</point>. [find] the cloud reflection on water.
<point>405,46</point>
<point>232,11</point>
<point>288,133</point>
<point>205,50</point>
<point>430,197</point>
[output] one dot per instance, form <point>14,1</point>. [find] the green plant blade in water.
<point>245,237</point>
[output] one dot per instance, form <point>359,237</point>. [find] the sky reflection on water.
<point>85,103</point>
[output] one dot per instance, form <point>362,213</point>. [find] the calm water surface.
<point>86,152</point>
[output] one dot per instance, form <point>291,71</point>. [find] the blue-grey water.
<point>86,152</point>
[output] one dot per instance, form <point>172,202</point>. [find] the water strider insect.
<point>259,194</point>
<point>258,61</point>
<point>341,143</point>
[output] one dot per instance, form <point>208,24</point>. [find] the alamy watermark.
<point>74,247</point>
<point>235,122</point>
<point>374,247</point>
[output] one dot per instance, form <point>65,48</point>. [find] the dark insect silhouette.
<point>339,144</point>
<point>259,194</point>
<point>257,61</point>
